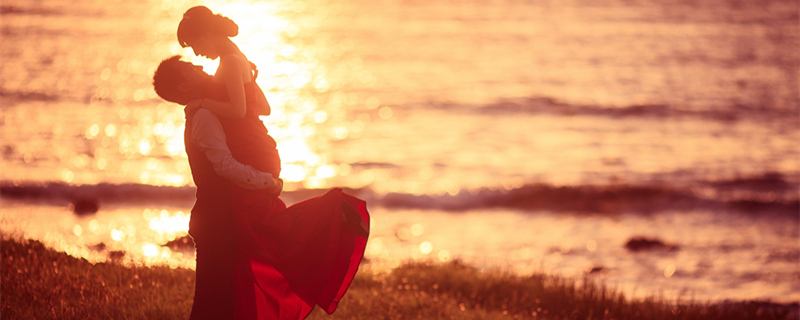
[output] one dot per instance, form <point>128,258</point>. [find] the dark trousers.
<point>214,288</point>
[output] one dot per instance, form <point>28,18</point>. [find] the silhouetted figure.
<point>287,259</point>
<point>214,171</point>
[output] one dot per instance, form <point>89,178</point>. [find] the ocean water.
<point>521,135</point>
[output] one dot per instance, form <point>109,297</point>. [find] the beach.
<point>529,137</point>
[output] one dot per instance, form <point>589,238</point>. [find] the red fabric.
<point>295,257</point>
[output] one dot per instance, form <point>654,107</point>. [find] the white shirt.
<point>207,132</point>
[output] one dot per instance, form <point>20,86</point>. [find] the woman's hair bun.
<point>224,25</point>
<point>200,19</point>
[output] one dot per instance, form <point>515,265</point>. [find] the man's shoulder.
<point>205,125</point>
<point>204,117</point>
<point>204,113</point>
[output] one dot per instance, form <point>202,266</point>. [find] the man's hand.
<point>275,189</point>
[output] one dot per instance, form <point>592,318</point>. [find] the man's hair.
<point>167,78</point>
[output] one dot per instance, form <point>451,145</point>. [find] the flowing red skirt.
<point>296,257</point>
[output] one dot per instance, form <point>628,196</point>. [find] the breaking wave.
<point>547,105</point>
<point>767,193</point>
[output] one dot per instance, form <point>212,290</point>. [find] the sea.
<point>648,145</point>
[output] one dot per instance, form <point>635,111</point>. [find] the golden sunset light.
<point>355,159</point>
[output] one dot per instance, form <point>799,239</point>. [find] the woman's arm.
<point>232,75</point>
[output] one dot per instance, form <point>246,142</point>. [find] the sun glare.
<point>168,226</point>
<point>150,250</point>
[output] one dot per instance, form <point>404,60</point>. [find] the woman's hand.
<point>194,105</point>
<point>275,189</point>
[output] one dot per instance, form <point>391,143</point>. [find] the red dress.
<point>296,257</point>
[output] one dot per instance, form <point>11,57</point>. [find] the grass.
<point>40,283</point>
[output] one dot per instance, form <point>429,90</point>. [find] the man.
<point>213,170</point>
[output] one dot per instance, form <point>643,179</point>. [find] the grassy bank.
<point>39,283</point>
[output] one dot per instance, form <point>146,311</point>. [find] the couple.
<point>256,258</point>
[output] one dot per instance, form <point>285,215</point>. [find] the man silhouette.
<point>213,170</point>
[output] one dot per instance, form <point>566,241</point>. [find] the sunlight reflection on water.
<point>131,236</point>
<point>133,136</point>
<point>347,114</point>
<point>296,77</point>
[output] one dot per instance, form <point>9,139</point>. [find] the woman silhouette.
<point>289,259</point>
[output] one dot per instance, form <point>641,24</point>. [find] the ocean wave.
<point>37,8</point>
<point>596,199</point>
<point>104,192</point>
<point>769,193</point>
<point>16,97</point>
<point>28,96</point>
<point>12,9</point>
<point>547,105</point>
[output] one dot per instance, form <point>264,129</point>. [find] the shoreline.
<point>704,266</point>
<point>39,282</point>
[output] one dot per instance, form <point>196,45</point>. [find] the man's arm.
<point>207,132</point>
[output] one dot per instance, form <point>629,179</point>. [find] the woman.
<point>293,258</point>
<point>208,35</point>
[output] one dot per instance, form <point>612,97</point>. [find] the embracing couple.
<point>256,258</point>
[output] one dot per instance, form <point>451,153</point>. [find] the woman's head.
<point>203,30</point>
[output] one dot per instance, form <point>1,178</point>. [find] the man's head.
<point>179,81</point>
